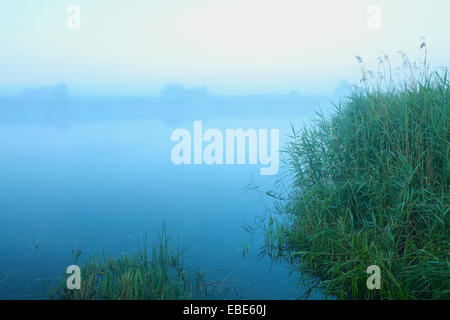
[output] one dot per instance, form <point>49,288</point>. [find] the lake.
<point>100,185</point>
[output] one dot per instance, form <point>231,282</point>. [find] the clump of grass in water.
<point>159,275</point>
<point>370,186</point>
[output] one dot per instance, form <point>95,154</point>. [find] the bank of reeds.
<point>371,186</point>
<point>156,274</point>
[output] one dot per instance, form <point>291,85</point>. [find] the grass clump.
<point>370,186</point>
<point>156,275</point>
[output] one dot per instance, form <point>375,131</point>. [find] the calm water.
<point>98,185</point>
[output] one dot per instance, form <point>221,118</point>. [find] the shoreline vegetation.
<point>156,274</point>
<point>370,185</point>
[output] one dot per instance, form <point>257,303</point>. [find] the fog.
<point>233,47</point>
<point>89,98</point>
<point>52,105</point>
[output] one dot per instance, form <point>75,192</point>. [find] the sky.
<point>230,46</point>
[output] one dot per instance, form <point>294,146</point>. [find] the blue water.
<point>98,185</point>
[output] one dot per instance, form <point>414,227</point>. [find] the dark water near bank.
<point>97,185</point>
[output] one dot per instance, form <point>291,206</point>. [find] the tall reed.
<point>370,185</point>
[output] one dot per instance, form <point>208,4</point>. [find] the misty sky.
<point>229,46</point>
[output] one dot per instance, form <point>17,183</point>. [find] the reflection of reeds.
<point>372,187</point>
<point>159,275</point>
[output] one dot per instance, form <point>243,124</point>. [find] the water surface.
<point>99,185</point>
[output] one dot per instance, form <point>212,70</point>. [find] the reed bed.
<point>369,185</point>
<point>156,275</point>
